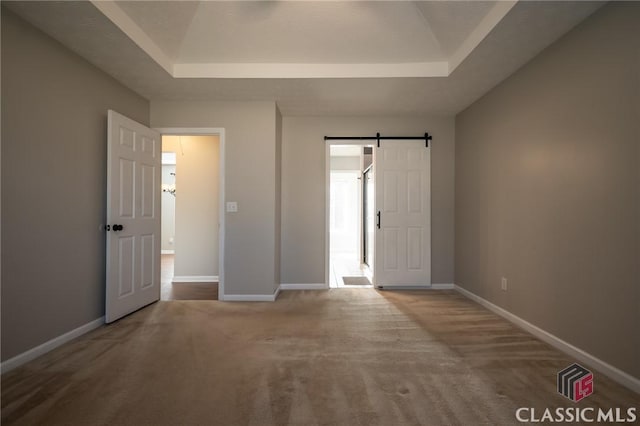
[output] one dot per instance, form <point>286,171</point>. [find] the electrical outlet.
<point>503,284</point>
<point>232,206</point>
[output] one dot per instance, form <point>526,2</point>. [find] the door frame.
<point>327,204</point>
<point>363,200</point>
<point>209,131</point>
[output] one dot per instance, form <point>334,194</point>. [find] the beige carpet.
<point>339,357</point>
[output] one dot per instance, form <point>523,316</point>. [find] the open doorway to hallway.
<point>182,291</point>
<point>351,216</point>
<point>190,224</point>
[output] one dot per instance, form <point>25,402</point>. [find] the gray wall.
<point>303,188</point>
<point>548,190</point>
<point>54,156</point>
<point>250,180</point>
<point>196,204</point>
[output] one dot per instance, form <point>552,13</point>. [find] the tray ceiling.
<point>311,57</point>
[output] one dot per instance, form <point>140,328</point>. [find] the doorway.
<point>395,235</point>
<point>192,266</point>
<point>350,216</point>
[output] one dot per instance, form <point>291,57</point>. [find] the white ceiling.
<point>311,57</point>
<point>306,39</point>
<point>310,32</point>
<point>287,32</point>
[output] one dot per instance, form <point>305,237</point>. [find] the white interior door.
<point>133,216</point>
<point>403,202</point>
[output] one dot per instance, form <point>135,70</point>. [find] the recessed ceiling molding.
<point>524,31</point>
<point>495,15</point>
<point>264,70</point>
<point>273,70</point>
<point>226,70</point>
<point>112,11</point>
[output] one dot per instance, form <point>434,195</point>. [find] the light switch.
<point>232,206</point>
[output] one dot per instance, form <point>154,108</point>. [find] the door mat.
<point>356,281</point>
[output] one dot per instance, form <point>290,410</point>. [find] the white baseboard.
<point>436,286</point>
<point>252,297</point>
<point>319,286</point>
<point>194,279</point>
<point>608,370</point>
<point>442,286</point>
<point>50,345</point>
<point>403,287</point>
<point>276,293</point>
<point>167,252</point>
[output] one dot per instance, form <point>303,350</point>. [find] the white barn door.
<point>403,205</point>
<point>133,216</point>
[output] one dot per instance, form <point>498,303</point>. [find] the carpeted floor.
<point>339,357</point>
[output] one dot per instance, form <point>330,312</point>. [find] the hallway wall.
<point>251,180</point>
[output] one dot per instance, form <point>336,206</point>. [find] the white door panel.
<point>403,199</point>
<point>133,202</point>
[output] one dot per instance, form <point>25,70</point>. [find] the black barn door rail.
<point>427,137</point>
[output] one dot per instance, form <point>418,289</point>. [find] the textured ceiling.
<point>289,32</point>
<point>306,39</point>
<point>527,28</point>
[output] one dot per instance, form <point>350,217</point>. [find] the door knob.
<point>118,227</point>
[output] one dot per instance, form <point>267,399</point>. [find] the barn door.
<point>403,207</point>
